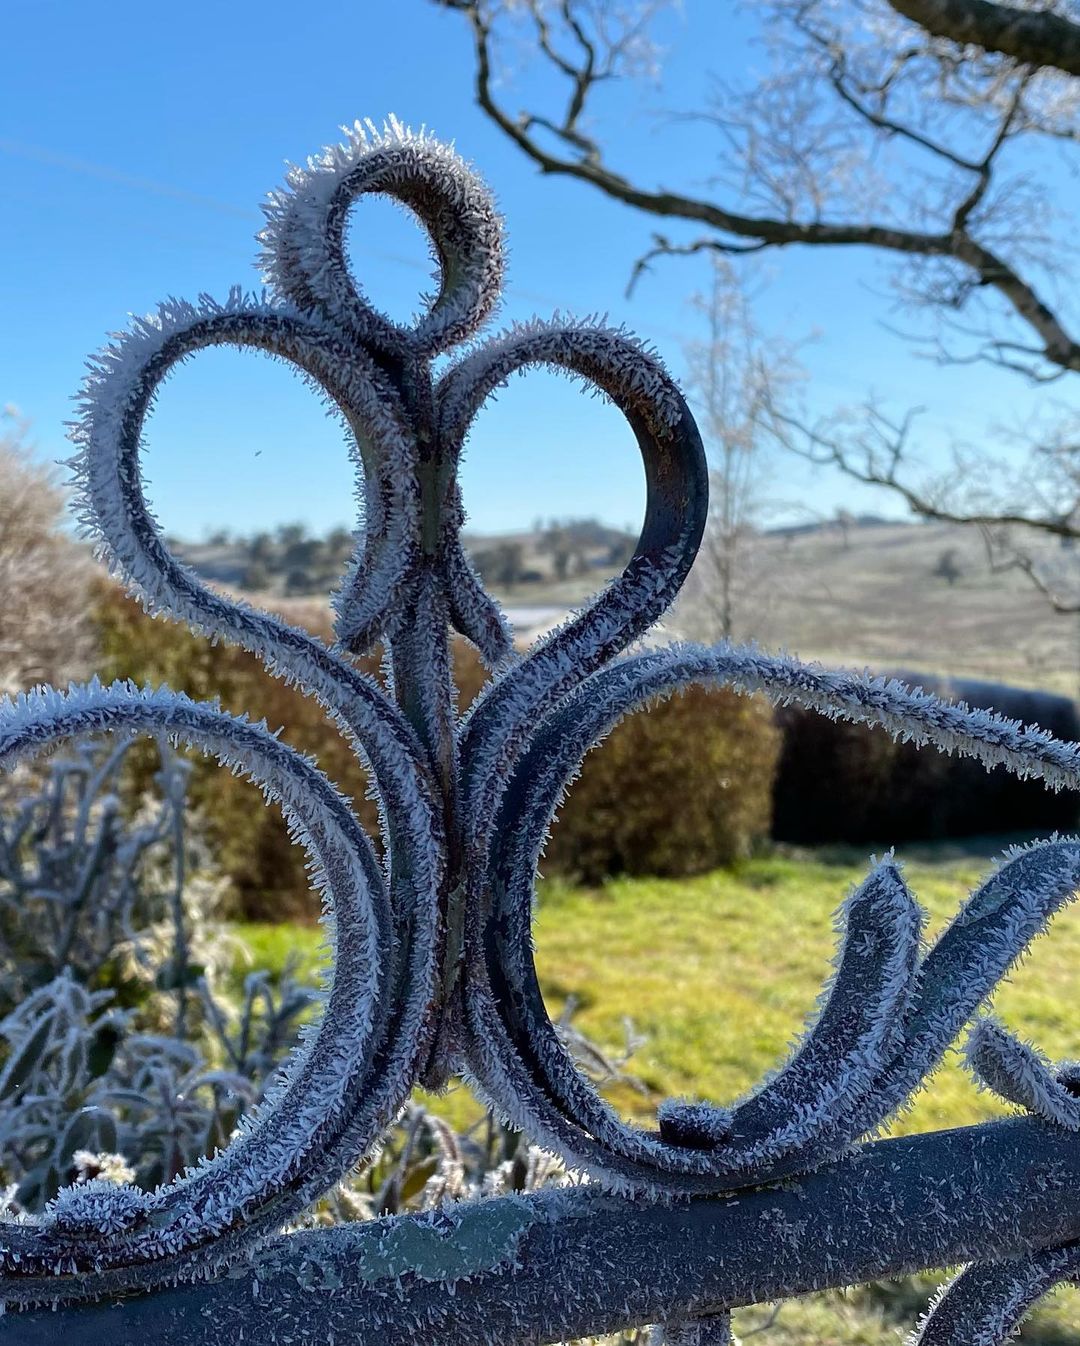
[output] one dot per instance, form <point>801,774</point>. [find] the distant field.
<point>877,602</point>
<point>717,974</point>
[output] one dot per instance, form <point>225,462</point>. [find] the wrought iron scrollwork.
<point>433,970</point>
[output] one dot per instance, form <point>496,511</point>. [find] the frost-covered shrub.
<point>119,1058</point>
<point>109,897</point>
<point>45,632</point>
<point>680,788</point>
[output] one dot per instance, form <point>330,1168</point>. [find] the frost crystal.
<point>433,965</point>
<point>96,1208</point>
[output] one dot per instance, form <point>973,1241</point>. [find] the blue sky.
<point>137,140</point>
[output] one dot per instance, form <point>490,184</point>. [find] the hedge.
<point>678,789</point>
<point>848,783</point>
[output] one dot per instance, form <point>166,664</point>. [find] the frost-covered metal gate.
<point>433,975</point>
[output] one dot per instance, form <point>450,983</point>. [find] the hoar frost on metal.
<point>433,970</point>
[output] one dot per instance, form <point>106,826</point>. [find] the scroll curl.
<point>433,969</point>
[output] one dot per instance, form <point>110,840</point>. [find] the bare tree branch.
<point>1003,555</point>
<point>733,374</point>
<point>1034,37</point>
<point>876,455</point>
<point>985,266</point>
<point>866,132</point>
<point>663,247</point>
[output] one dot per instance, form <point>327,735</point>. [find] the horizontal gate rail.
<point>572,1262</point>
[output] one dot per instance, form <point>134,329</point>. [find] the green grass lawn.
<point>718,974</point>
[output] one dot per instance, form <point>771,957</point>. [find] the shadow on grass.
<point>948,851</point>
